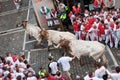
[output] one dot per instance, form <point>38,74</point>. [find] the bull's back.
<point>86,46</point>
<point>56,36</point>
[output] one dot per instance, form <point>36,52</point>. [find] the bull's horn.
<point>57,46</point>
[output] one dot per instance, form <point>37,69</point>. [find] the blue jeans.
<point>97,9</point>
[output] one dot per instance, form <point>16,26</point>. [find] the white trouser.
<point>77,34</point>
<point>116,42</point>
<point>93,36</point>
<point>17,6</point>
<point>102,37</point>
<point>48,16</point>
<point>108,38</point>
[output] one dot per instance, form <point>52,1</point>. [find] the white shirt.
<point>6,73</point>
<point>31,69</point>
<point>1,71</point>
<point>9,58</point>
<point>100,72</point>
<point>93,31</point>
<point>16,62</point>
<point>19,74</point>
<point>86,14</point>
<point>96,16</point>
<point>54,68</point>
<point>115,76</point>
<point>96,24</point>
<point>65,62</point>
<point>1,65</point>
<point>82,27</point>
<point>89,78</point>
<point>32,78</point>
<point>108,22</point>
<point>22,65</point>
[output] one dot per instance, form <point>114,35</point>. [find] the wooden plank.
<point>37,4</point>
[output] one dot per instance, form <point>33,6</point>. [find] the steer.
<point>31,29</point>
<point>54,36</point>
<point>80,48</point>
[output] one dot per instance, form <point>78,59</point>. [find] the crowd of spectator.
<point>14,67</point>
<point>100,24</point>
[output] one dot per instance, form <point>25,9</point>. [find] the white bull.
<point>80,48</point>
<point>31,29</point>
<point>54,36</point>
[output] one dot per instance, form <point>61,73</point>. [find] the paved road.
<point>9,17</point>
<point>14,40</point>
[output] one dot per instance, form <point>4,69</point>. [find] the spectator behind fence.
<point>98,4</point>
<point>109,4</point>
<point>54,15</point>
<point>46,12</point>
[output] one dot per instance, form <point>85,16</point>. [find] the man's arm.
<point>73,57</point>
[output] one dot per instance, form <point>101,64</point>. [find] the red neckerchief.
<point>9,79</point>
<point>1,76</point>
<point>108,20</point>
<point>98,67</point>
<point>91,76</point>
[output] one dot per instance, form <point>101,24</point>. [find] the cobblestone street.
<point>14,39</point>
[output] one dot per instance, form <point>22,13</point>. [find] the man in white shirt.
<point>64,61</point>
<point>52,66</point>
<point>19,73</point>
<point>116,75</point>
<point>100,72</point>
<point>9,58</point>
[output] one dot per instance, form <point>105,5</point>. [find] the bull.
<point>52,36</point>
<point>31,29</point>
<point>80,48</point>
